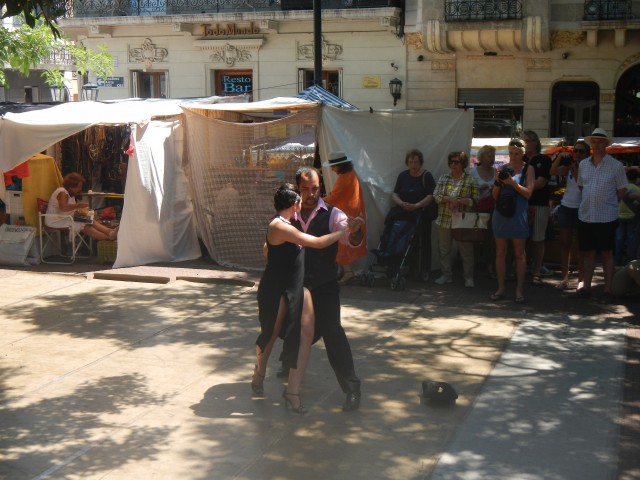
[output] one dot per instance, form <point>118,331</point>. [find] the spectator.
<point>455,191</point>
<point>485,175</point>
<point>567,165</point>
<point>413,199</point>
<point>603,180</point>
<point>539,209</point>
<point>516,180</point>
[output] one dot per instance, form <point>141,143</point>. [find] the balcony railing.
<point>607,10</point>
<point>116,8</point>
<point>59,56</point>
<point>478,10</point>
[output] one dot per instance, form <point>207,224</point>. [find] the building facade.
<point>263,48</point>
<point>559,67</point>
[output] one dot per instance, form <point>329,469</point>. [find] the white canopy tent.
<point>157,221</point>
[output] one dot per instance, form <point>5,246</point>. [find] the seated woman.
<point>63,202</point>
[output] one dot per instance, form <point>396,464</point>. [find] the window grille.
<point>607,10</point>
<point>478,10</point>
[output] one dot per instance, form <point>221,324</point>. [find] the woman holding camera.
<point>565,165</point>
<point>514,182</point>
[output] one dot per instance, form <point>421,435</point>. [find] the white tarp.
<point>377,143</point>
<point>157,222</point>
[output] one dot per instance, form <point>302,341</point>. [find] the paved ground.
<point>143,373</point>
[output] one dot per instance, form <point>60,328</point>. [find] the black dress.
<point>284,275</point>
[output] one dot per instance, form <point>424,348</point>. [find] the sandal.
<point>496,296</point>
<point>536,280</point>
<point>519,299</point>
<point>288,403</point>
<point>563,285</point>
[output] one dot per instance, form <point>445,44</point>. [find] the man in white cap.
<point>602,180</point>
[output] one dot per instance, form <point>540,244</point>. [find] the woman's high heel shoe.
<point>288,403</point>
<point>257,382</point>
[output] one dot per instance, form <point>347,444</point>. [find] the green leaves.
<point>27,47</point>
<point>34,11</point>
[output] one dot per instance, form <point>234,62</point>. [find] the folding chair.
<point>53,236</point>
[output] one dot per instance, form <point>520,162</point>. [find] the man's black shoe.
<point>283,372</point>
<point>352,402</point>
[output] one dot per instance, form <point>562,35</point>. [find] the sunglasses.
<point>454,162</point>
<point>579,150</point>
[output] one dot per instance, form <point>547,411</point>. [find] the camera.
<point>504,173</point>
<point>566,160</point>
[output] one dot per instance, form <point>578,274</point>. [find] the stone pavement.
<point>144,373</point>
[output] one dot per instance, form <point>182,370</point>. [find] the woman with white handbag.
<point>456,191</point>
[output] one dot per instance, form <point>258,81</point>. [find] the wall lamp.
<point>394,66</point>
<point>395,88</point>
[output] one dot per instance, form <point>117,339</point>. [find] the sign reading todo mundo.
<point>229,29</point>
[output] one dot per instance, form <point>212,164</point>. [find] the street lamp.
<point>90,92</point>
<point>395,87</point>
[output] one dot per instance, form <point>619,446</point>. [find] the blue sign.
<point>110,82</point>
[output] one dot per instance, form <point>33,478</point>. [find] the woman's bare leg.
<point>519,252</point>
<point>501,265</point>
<point>307,326</point>
<point>262,357</point>
<point>94,233</point>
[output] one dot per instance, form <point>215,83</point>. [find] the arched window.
<point>627,111</point>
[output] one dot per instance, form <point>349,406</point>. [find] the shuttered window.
<point>490,97</point>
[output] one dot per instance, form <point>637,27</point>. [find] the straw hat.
<point>336,158</point>
<point>598,133</point>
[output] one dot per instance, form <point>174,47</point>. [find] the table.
<point>102,195</point>
<point>92,195</point>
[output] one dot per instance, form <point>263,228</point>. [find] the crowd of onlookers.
<point>599,210</point>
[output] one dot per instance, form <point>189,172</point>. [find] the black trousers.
<point>326,305</point>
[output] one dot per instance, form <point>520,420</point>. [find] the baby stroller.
<point>393,251</point>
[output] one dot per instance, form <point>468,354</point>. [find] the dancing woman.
<point>285,307</point>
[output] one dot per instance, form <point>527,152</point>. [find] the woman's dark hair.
<point>72,180</point>
<point>414,153</point>
<point>464,159</point>
<point>285,197</point>
<point>586,146</point>
<point>344,167</point>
